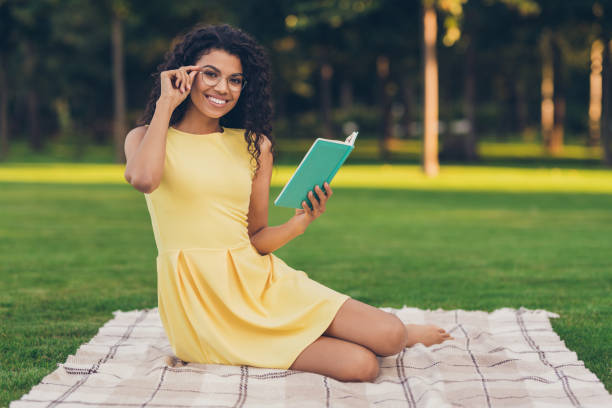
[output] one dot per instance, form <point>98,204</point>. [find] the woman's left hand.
<point>305,216</point>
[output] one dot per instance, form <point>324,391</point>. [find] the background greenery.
<point>79,73</point>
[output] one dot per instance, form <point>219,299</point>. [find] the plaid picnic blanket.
<point>506,358</point>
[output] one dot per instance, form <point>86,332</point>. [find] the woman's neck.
<point>197,123</point>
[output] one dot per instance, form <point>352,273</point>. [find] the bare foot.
<point>427,334</point>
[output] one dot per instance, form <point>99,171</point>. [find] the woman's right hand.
<point>176,84</point>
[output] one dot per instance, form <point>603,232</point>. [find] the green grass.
<point>77,247</point>
<point>368,148</point>
<point>366,151</point>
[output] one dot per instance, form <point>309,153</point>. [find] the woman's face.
<point>215,100</point>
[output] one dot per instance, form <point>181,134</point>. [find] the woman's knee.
<point>339,359</point>
<point>363,368</point>
<point>394,337</point>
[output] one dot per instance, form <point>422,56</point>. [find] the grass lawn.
<point>366,151</point>
<point>79,245</point>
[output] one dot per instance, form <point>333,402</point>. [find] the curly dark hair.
<point>253,111</point>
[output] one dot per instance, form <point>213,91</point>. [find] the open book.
<point>320,164</point>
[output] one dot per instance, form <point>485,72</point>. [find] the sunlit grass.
<point>459,178</point>
<point>369,149</point>
<point>63,173</point>
<point>535,151</point>
<point>463,178</point>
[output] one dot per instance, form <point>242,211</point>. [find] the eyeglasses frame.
<point>244,80</point>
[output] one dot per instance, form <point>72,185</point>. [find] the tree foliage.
<point>56,58</point>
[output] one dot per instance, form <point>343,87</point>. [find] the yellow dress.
<point>220,300</point>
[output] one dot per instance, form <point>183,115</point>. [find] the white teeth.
<point>217,101</point>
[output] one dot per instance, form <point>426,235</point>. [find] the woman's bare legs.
<point>339,359</point>
<point>382,332</point>
<point>348,348</point>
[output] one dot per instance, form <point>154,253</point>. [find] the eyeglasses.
<point>211,77</point>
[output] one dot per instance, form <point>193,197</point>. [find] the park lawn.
<point>73,252</point>
<point>390,176</point>
<point>366,149</point>
<point>413,148</point>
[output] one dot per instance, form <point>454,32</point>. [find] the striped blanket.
<point>506,358</point>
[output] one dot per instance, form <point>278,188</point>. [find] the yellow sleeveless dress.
<point>220,300</point>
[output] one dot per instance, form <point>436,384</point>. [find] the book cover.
<point>319,165</point>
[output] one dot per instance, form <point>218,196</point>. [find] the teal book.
<point>320,164</point>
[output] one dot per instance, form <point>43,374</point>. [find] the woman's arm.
<point>268,239</point>
<point>145,147</point>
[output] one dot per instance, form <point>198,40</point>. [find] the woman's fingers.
<point>317,198</point>
<point>187,81</point>
<point>306,208</point>
<point>313,201</point>
<point>322,198</point>
<point>192,76</point>
<point>183,80</point>
<point>316,206</point>
<point>328,189</point>
<point>192,67</point>
<point>179,81</point>
<point>320,193</point>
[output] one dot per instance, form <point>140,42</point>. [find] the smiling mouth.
<point>216,101</point>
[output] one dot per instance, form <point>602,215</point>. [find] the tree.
<point>603,28</point>
<point>566,33</point>
<point>33,30</point>
<point>430,163</point>
<point>606,112</point>
<point>7,44</point>
<point>119,12</point>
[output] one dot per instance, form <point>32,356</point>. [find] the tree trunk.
<point>32,98</point>
<point>469,141</point>
<point>595,93</point>
<point>547,90</point>
<point>606,122</point>
<point>382,69</point>
<point>4,141</point>
<point>431,165</point>
<point>555,145</point>
<point>119,120</point>
<point>408,100</point>
<point>326,74</point>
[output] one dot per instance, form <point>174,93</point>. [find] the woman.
<point>204,161</point>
